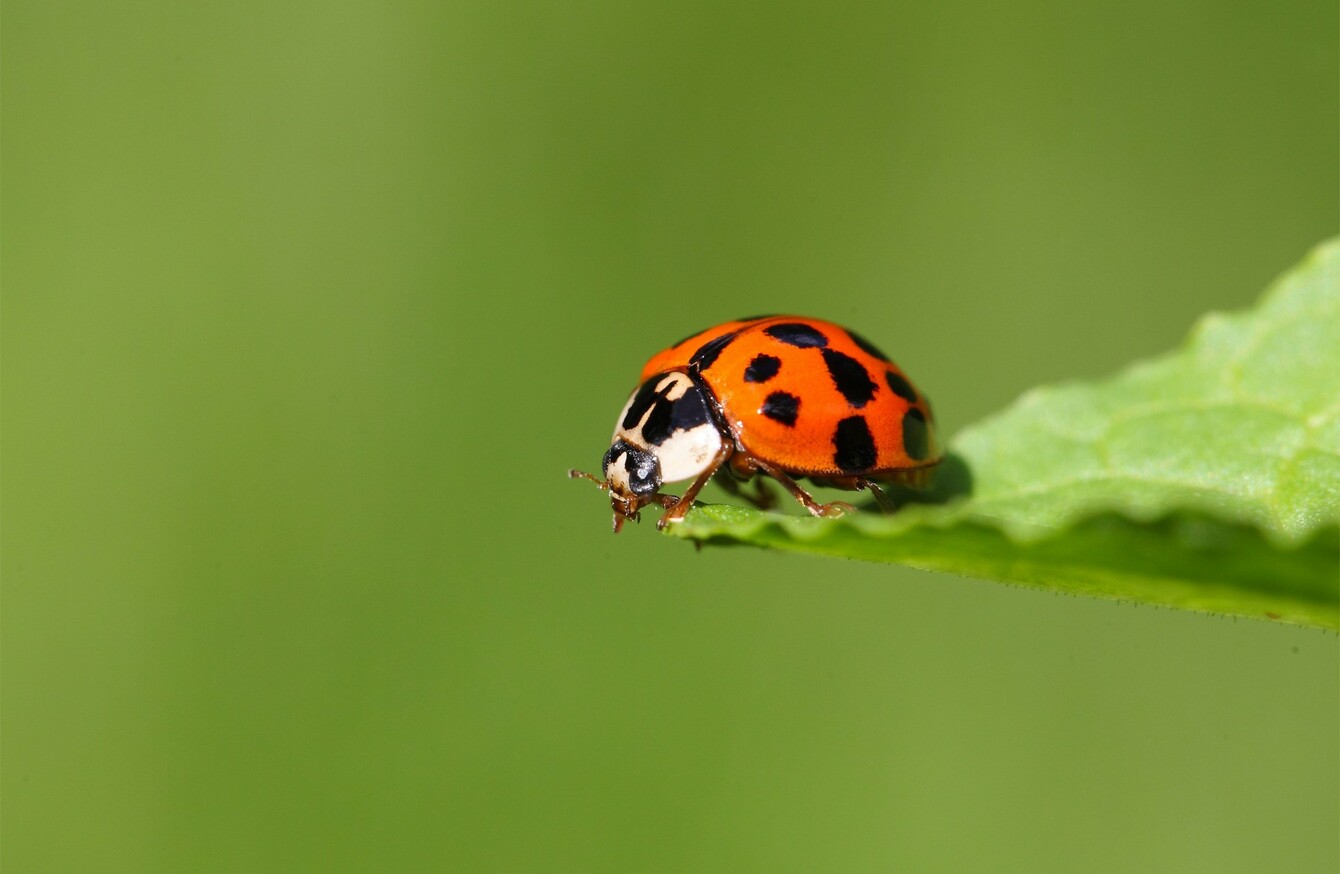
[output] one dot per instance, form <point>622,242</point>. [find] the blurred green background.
<point>309,306</point>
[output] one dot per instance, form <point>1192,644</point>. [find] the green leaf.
<point>1207,479</point>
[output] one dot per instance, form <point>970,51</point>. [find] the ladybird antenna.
<point>579,474</point>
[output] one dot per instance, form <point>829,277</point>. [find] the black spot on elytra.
<point>901,387</point>
<point>755,318</point>
<point>916,436</point>
<point>866,346</point>
<point>762,368</point>
<point>852,379</point>
<point>797,334</point>
<point>781,407</point>
<point>855,448</point>
<point>707,353</point>
<point>646,396</point>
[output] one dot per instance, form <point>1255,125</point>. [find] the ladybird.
<point>783,396</point>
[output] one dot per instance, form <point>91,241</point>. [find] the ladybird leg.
<point>764,499</point>
<point>578,474</point>
<point>675,512</point>
<point>833,508</point>
<point>730,485</point>
<point>881,497</point>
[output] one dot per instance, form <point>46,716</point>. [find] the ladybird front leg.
<point>831,509</point>
<point>675,512</point>
<point>665,502</point>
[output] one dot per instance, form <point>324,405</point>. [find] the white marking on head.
<point>617,475</point>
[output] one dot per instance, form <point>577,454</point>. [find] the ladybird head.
<point>633,478</point>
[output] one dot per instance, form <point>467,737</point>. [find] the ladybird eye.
<point>644,476</point>
<point>640,480</point>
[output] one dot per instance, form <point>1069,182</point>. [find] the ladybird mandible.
<point>784,396</point>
